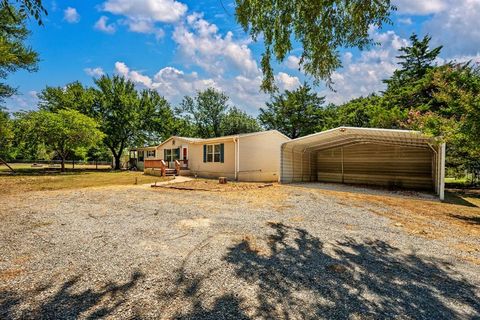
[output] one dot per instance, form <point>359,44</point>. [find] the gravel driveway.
<point>276,252</point>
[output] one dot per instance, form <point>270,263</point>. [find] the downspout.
<point>235,140</point>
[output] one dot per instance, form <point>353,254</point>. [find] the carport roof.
<point>343,136</point>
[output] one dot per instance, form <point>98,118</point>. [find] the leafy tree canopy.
<point>66,132</point>
<point>320,27</point>
<point>294,113</point>
<point>210,115</point>
<point>6,135</point>
<point>14,54</point>
<point>33,8</point>
<point>119,111</point>
<point>72,96</point>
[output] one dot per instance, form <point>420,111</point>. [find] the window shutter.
<point>177,153</point>
<point>204,153</point>
<point>222,153</point>
<point>165,154</point>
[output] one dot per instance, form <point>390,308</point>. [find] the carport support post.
<point>442,171</point>
<point>342,165</point>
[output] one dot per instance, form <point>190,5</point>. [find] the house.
<point>243,157</point>
<point>383,157</point>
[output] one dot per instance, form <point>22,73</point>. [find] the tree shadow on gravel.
<point>67,302</point>
<point>299,277</point>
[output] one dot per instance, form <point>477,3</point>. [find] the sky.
<point>178,47</point>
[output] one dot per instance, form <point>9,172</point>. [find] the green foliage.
<point>416,60</point>
<point>72,96</point>
<point>33,8</point>
<point>237,121</point>
<point>294,113</point>
<point>119,111</point>
<point>14,54</point>
<point>320,27</point>
<point>209,115</point>
<point>66,132</point>
<point>6,135</point>
<point>205,111</point>
<point>158,117</point>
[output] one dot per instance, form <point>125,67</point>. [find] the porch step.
<point>170,172</point>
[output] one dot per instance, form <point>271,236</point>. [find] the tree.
<point>237,121</point>
<point>6,137</point>
<point>71,96</point>
<point>320,27</point>
<point>294,113</point>
<point>66,132</point>
<point>416,60</point>
<point>14,54</point>
<point>118,109</point>
<point>33,8</point>
<point>160,121</point>
<point>205,111</point>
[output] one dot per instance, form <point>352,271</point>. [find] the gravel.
<point>275,252</point>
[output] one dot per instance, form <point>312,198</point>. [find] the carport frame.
<point>347,136</point>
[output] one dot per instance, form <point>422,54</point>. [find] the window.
<point>213,153</point>
<point>151,154</point>
<point>171,154</point>
<point>140,155</point>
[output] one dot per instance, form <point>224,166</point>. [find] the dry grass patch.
<point>425,218</point>
<point>12,184</point>
<point>213,185</point>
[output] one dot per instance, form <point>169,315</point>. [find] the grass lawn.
<point>25,182</point>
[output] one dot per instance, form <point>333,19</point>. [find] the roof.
<point>351,135</point>
<point>224,138</point>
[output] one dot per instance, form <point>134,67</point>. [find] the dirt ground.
<point>306,251</point>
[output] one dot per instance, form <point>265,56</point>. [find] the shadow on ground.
<point>296,277</point>
<point>460,197</point>
<point>67,302</point>
<point>299,279</point>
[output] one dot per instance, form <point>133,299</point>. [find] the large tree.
<point>158,116</point>
<point>294,113</point>
<point>14,53</point>
<point>66,132</point>
<point>319,27</point>
<point>71,96</point>
<point>118,109</point>
<point>206,111</point>
<point>237,121</point>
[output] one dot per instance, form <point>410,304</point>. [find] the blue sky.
<point>178,47</point>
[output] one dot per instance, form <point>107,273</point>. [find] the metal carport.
<point>385,157</point>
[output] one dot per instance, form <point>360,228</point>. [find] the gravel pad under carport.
<point>276,252</point>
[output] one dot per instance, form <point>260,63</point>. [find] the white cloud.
<point>71,15</point>
<point>167,11</point>
<point>406,21</point>
<point>94,72</point>
<point>420,7</point>
<point>286,81</point>
<point>363,75</point>
<point>144,26</point>
<point>200,42</point>
<point>292,62</point>
<point>455,28</point>
<point>102,25</point>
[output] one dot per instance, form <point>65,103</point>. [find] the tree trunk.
<point>117,162</point>
<point>63,165</point>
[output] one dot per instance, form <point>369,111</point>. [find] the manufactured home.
<point>243,157</point>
